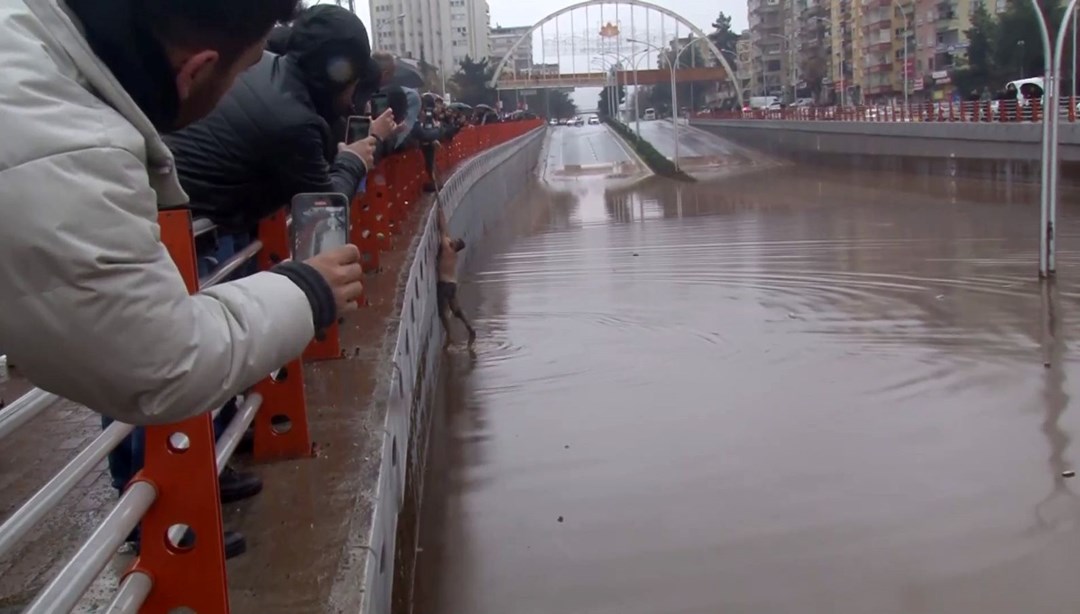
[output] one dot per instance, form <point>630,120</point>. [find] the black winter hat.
<point>331,46</point>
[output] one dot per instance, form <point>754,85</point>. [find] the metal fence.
<point>176,494</point>
<point>990,111</point>
<point>473,197</point>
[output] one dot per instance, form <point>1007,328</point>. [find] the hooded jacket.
<point>92,307</point>
<point>271,137</point>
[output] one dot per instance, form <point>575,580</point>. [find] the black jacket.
<point>263,144</point>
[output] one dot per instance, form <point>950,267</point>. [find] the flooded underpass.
<point>780,390</point>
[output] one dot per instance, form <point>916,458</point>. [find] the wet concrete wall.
<point>474,198</point>
<point>1004,152</point>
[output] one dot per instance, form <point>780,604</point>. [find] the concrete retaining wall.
<point>992,151</point>
<point>475,196</point>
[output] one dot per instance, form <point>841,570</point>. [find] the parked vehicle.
<point>650,114</point>
<point>593,120</point>
<point>766,103</point>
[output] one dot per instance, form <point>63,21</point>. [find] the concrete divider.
<point>1000,151</point>
<point>474,197</point>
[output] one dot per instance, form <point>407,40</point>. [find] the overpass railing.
<point>993,111</point>
<point>175,497</point>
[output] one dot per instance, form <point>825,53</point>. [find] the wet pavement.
<point>699,151</point>
<point>792,390</point>
<point>590,150</point>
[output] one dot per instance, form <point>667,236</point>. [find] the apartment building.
<point>770,51</point>
<point>439,32</point>
<point>502,39</point>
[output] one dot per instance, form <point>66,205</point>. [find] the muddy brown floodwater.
<point>789,391</point>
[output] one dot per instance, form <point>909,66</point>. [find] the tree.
<point>470,83</point>
<point>557,103</point>
<point>603,107</point>
<point>1018,47</point>
<point>722,35</point>
<point>982,70</point>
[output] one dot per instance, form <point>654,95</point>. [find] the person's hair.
<point>228,26</point>
<point>385,60</point>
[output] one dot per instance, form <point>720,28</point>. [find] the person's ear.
<point>194,68</point>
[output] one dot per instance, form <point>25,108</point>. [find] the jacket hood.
<point>331,47</point>
<point>133,55</point>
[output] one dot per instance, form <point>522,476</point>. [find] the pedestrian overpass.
<point>596,43</point>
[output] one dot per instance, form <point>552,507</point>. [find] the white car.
<point>594,120</point>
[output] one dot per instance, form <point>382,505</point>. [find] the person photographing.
<point>272,136</point>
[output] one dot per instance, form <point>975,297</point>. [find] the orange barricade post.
<point>181,465</point>
<point>281,426</point>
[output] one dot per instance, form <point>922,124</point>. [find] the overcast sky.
<point>526,13</point>
<point>509,13</point>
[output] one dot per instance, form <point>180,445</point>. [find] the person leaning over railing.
<point>91,305</point>
<point>272,138</point>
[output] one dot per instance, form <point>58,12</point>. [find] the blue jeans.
<point>127,458</point>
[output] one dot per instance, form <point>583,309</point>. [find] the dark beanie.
<point>331,46</point>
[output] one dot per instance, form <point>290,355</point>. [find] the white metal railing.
<point>67,588</point>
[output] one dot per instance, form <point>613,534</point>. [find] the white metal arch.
<point>640,3</point>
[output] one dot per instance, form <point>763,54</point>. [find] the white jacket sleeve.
<point>92,307</point>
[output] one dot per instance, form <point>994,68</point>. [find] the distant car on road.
<point>553,122</point>
<point>650,114</point>
<point>594,120</point>
<point>562,121</point>
<point>579,121</point>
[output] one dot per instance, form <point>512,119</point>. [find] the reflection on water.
<point>781,392</point>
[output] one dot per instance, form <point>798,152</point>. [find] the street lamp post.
<point>672,63</point>
<point>907,33</point>
<point>608,74</point>
<point>791,61</point>
<point>634,63</point>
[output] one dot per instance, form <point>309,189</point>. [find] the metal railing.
<point>177,489</point>
<point>992,111</point>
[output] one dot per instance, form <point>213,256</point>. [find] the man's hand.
<point>384,126</point>
<point>340,267</point>
<point>364,149</point>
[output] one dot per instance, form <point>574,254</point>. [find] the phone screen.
<point>379,104</point>
<point>358,128</point>
<point>319,222</point>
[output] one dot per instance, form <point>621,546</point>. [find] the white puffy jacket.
<point>91,306</point>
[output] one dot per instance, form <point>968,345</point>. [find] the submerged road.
<point>699,151</point>
<point>792,391</point>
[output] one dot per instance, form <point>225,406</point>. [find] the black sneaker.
<point>236,485</point>
<point>235,544</point>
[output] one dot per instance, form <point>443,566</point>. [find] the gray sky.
<point>528,12</point>
<point>508,13</point>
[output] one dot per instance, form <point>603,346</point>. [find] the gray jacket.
<point>91,306</point>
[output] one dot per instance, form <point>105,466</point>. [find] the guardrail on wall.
<point>991,111</point>
<point>175,497</point>
<point>474,197</point>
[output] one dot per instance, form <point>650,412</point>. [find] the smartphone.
<point>379,104</point>
<point>320,222</point>
<point>358,128</point>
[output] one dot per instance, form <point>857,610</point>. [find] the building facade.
<point>439,32</point>
<point>502,39</point>
<point>857,51</point>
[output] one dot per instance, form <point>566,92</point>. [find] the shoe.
<point>236,485</point>
<point>235,544</point>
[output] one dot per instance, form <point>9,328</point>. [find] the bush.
<point>658,162</point>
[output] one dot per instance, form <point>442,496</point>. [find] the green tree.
<point>982,69</point>
<point>722,35</point>
<point>603,106</point>
<point>1018,23</point>
<point>557,103</point>
<point>470,84</point>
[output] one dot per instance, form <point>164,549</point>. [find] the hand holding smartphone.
<point>358,128</point>
<point>320,222</point>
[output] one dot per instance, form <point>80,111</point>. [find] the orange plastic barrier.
<point>180,460</point>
